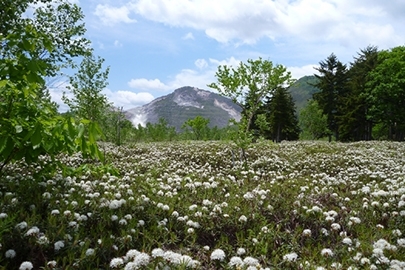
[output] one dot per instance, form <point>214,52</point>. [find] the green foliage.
<point>249,83</point>
<point>281,116</point>
<point>198,126</point>
<point>29,124</point>
<point>313,122</point>
<point>88,102</point>
<point>332,83</point>
<point>386,86</point>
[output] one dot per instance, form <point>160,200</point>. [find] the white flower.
<point>132,253</point>
<point>241,251</point>
<point>190,230</point>
<point>218,254</point>
<point>89,252</point>
<point>3,215</point>
<point>347,241</point>
<point>58,245</point>
<point>335,226</point>
<point>251,261</point>
<point>235,261</point>
<point>157,252</point>
<point>327,252</point>
<point>33,231</point>
<point>22,225</point>
<point>242,218</point>
<point>307,232</point>
<point>116,262</point>
<point>290,257</point>
<point>142,259</point>
<point>26,266</point>
<point>10,253</point>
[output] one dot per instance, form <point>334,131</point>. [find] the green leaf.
<point>36,138</point>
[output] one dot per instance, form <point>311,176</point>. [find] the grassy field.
<point>185,205</point>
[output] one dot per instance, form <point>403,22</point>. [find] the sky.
<point>156,46</point>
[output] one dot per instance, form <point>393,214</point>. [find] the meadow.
<point>199,205</point>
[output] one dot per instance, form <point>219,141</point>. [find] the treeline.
<point>363,100</point>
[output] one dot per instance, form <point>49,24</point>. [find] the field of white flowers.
<point>196,205</point>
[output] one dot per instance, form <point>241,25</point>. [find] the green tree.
<point>354,121</point>
<point>332,83</point>
<point>198,126</point>
<point>281,116</point>
<point>88,102</point>
<point>248,85</point>
<point>387,91</point>
<point>30,125</point>
<point>313,122</point>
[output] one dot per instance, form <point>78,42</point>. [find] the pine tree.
<point>281,116</point>
<point>333,89</point>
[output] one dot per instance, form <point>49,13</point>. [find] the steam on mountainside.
<point>183,104</point>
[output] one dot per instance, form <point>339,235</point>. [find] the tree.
<point>354,121</point>
<point>249,84</point>
<point>332,83</point>
<point>386,86</point>
<point>29,125</point>
<point>198,126</point>
<point>313,122</point>
<point>88,102</point>
<point>281,116</point>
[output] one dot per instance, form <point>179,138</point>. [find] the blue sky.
<point>156,46</point>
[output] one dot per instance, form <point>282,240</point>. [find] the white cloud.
<point>112,15</point>
<point>145,84</point>
<point>247,21</point>
<point>299,72</point>
<point>203,74</point>
<point>189,35</point>
<point>128,99</point>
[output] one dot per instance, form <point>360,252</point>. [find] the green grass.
<point>179,204</point>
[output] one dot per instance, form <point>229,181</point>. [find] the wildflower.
<point>22,225</point>
<point>89,252</point>
<point>243,218</point>
<point>251,261</point>
<point>218,254</point>
<point>235,261</point>
<point>114,218</point>
<point>43,240</point>
<point>190,230</point>
<point>335,226</point>
<point>10,253</point>
<point>347,241</point>
<point>142,259</point>
<point>58,245</point>
<point>3,215</point>
<point>206,248</point>
<point>240,251</point>
<point>33,231</point>
<point>327,252</point>
<point>306,232</point>
<point>397,232</point>
<point>51,264</point>
<point>291,257</point>
<point>116,262</point>
<point>157,252</point>
<point>401,242</point>
<point>26,266</point>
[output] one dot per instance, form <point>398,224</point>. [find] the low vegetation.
<point>195,205</point>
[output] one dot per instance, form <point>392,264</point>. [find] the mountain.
<point>185,103</point>
<point>302,90</point>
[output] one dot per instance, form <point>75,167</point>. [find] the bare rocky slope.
<point>186,103</point>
